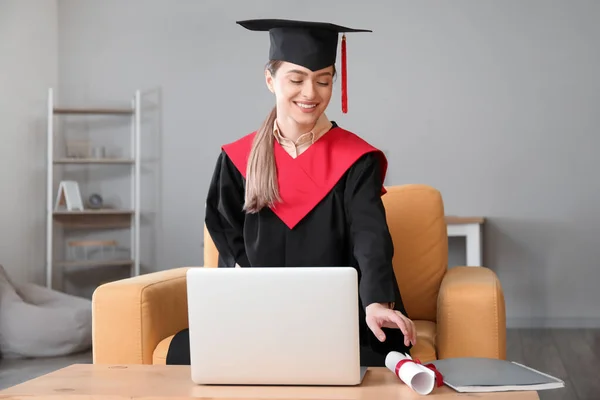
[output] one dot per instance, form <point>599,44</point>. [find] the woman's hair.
<point>261,173</point>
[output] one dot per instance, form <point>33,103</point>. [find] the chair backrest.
<point>415,215</point>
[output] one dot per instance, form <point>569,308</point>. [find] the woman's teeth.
<point>303,105</point>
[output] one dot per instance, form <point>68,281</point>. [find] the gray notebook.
<point>473,374</point>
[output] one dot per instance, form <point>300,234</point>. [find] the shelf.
<point>94,219</point>
<point>85,264</point>
<point>102,211</point>
<point>93,161</point>
<point>89,222</point>
<point>94,111</point>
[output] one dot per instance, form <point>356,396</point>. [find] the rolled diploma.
<point>421,379</point>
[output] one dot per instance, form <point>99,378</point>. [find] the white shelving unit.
<point>90,219</point>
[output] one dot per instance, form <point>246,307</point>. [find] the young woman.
<point>302,191</point>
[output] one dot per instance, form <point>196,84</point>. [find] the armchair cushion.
<point>415,215</point>
<point>160,353</point>
<point>425,350</point>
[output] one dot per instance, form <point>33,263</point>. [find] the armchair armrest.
<point>131,316</point>
<point>471,316</point>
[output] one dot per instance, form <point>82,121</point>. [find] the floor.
<point>13,372</point>
<point>570,354</point>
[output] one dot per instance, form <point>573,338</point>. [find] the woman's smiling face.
<point>301,95</point>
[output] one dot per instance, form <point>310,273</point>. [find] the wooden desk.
<point>115,382</point>
<point>471,229</point>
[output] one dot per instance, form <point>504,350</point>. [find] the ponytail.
<point>261,173</point>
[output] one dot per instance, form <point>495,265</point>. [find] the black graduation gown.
<point>346,228</point>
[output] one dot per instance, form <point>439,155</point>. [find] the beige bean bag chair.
<point>40,322</point>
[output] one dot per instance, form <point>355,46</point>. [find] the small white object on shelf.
<point>68,197</point>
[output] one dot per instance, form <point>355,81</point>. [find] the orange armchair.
<point>458,312</point>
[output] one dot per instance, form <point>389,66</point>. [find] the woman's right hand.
<point>380,316</point>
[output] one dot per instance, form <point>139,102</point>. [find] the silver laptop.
<point>274,326</point>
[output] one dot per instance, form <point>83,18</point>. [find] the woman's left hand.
<point>380,316</point>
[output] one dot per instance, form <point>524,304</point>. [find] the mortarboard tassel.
<point>344,77</point>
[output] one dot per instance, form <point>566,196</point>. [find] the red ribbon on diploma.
<point>439,379</point>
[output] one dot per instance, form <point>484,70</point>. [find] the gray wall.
<point>28,66</point>
<point>493,103</point>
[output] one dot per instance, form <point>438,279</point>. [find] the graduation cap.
<point>310,44</point>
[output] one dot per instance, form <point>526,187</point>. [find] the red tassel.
<point>344,77</point>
